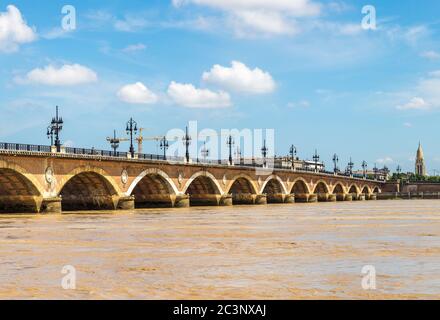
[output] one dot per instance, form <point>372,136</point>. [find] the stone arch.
<point>153,188</point>
<point>366,190</point>
<point>242,184</point>
<point>353,189</point>
<point>338,188</point>
<point>203,189</point>
<point>243,190</point>
<point>321,187</point>
<point>19,192</point>
<point>88,188</point>
<point>19,170</point>
<point>376,190</point>
<point>274,184</point>
<point>299,186</point>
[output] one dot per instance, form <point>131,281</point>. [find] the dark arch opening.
<point>352,189</point>
<point>203,192</point>
<point>299,188</point>
<point>338,189</point>
<point>321,188</point>
<point>274,191</point>
<point>88,191</point>
<point>17,193</point>
<point>242,192</point>
<point>153,191</point>
<point>365,190</point>
<point>376,190</point>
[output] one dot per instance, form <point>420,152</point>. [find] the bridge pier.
<point>126,203</point>
<point>372,197</point>
<point>260,199</point>
<point>51,206</point>
<point>332,198</point>
<point>348,197</point>
<point>226,200</point>
<point>322,197</point>
<point>313,197</point>
<point>275,198</point>
<point>181,201</point>
<point>289,198</point>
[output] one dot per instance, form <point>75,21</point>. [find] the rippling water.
<point>292,251</point>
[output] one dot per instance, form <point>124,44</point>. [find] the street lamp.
<point>335,162</point>
<point>316,159</point>
<point>114,143</point>
<point>264,151</point>
<point>230,142</point>
<point>187,142</point>
<point>54,129</point>
<point>164,145</point>
<point>350,167</point>
<point>131,129</point>
<point>293,153</point>
<point>204,151</point>
<point>375,170</point>
<point>364,168</point>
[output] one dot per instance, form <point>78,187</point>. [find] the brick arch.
<point>353,187</point>
<point>242,181</point>
<point>205,182</point>
<point>29,180</point>
<point>274,182</point>
<point>338,190</point>
<point>160,176</point>
<point>321,185</point>
<point>367,189</point>
<point>87,169</point>
<point>376,190</point>
<point>301,185</point>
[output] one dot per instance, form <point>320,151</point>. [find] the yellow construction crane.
<point>140,139</point>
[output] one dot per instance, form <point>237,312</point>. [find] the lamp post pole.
<point>164,145</point>
<point>54,129</point>
<point>350,167</point>
<point>364,169</point>
<point>293,153</point>
<point>187,142</point>
<point>230,142</point>
<point>335,162</point>
<point>264,151</point>
<point>131,130</point>
<point>316,160</point>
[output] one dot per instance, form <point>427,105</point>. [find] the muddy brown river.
<point>297,251</point>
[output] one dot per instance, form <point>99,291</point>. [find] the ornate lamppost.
<point>187,142</point>
<point>264,151</point>
<point>164,145</point>
<point>364,169</point>
<point>293,153</point>
<point>350,167</point>
<point>375,170</point>
<point>131,130</point>
<point>230,142</point>
<point>54,129</point>
<point>316,160</point>
<point>204,151</point>
<point>335,162</point>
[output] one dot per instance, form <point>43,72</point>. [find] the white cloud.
<point>299,104</point>
<point>135,47</point>
<point>14,30</point>
<point>67,75</point>
<point>131,23</point>
<point>137,93</point>
<point>189,96</point>
<point>431,55</point>
<point>408,124</point>
<point>260,16</point>
<point>385,160</point>
<point>415,103</point>
<point>240,78</point>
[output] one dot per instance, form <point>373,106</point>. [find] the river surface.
<point>296,251</point>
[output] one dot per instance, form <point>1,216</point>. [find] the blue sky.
<point>304,68</point>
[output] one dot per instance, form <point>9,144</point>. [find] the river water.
<point>296,251</point>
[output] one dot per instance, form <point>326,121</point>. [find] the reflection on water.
<point>256,252</point>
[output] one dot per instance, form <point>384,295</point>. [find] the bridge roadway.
<point>40,180</point>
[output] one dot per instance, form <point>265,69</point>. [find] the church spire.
<point>420,162</point>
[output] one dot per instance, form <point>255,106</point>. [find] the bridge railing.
<point>24,147</point>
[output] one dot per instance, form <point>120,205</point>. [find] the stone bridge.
<point>48,182</point>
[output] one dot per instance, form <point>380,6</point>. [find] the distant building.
<point>420,162</point>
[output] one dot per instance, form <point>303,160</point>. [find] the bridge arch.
<point>203,189</point>
<point>88,188</point>
<point>353,189</point>
<point>321,187</point>
<point>366,190</point>
<point>242,189</point>
<point>19,191</point>
<point>274,184</point>
<point>338,188</point>
<point>299,186</point>
<point>376,190</point>
<point>153,188</point>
